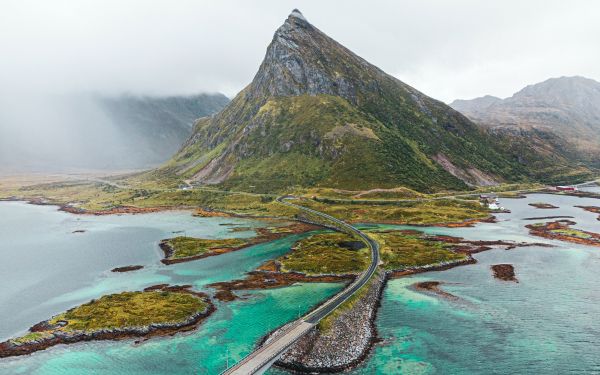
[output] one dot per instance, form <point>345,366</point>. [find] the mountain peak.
<point>301,59</point>
<point>297,14</point>
<point>317,114</point>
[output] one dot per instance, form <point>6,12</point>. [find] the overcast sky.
<point>447,49</point>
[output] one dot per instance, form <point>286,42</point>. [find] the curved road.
<point>261,359</point>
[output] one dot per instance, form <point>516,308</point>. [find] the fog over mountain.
<point>58,132</point>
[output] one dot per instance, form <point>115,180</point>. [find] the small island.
<point>433,288</point>
<point>561,230</point>
<point>162,311</point>
<point>504,272</point>
<point>542,205</point>
<point>127,268</point>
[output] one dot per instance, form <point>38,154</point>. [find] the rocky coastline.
<point>264,235</point>
<point>343,345</point>
<point>548,217</point>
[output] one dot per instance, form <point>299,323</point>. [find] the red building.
<point>566,188</point>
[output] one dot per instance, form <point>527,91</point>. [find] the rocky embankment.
<point>345,341</point>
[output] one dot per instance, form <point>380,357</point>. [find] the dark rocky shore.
<point>262,279</point>
<point>542,205</point>
<point>127,268</point>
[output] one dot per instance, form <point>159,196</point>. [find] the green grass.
<point>31,336</point>
<point>184,247</point>
<point>419,213</point>
<point>399,250</point>
<point>572,233</point>
<point>322,254</point>
<point>131,309</point>
<point>97,196</point>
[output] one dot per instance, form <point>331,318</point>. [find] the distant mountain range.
<point>563,113</point>
<point>317,114</point>
<point>154,128</point>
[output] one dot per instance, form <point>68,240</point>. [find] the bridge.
<point>263,357</point>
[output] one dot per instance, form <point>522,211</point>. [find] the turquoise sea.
<point>547,323</point>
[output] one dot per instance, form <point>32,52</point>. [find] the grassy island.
<point>326,253</point>
<point>401,250</point>
<point>131,309</point>
<point>116,316</point>
<point>184,247</point>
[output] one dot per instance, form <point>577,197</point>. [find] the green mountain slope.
<point>316,114</point>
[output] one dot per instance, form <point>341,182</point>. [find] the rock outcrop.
<point>344,342</point>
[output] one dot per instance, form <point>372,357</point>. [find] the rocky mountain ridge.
<point>566,109</point>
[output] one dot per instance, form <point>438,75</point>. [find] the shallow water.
<point>52,269</point>
<point>547,323</point>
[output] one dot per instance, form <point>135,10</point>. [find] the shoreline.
<point>207,212</point>
<point>263,235</point>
